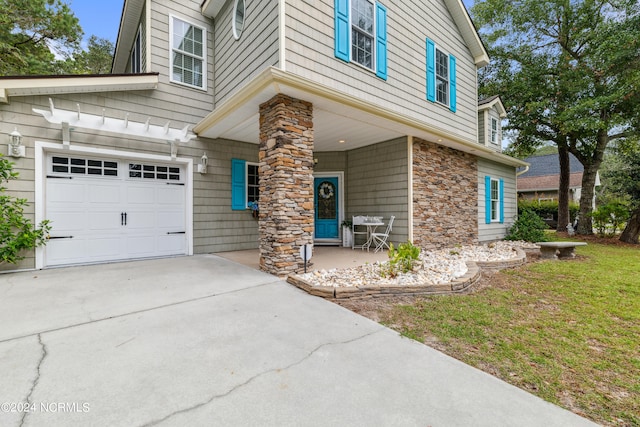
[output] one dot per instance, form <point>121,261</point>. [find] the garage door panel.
<point>65,191</point>
<point>92,209</point>
<point>105,248</point>
<point>141,195</point>
<point>64,221</point>
<point>171,195</point>
<point>171,243</point>
<point>101,193</point>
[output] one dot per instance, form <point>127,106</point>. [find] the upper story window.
<point>361,34</point>
<point>238,18</point>
<point>494,130</point>
<point>441,77</point>
<point>188,50</point>
<point>136,53</point>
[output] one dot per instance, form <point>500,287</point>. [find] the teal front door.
<point>326,208</point>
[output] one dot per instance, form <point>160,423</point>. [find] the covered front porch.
<point>315,143</point>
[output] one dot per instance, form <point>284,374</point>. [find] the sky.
<point>102,17</point>
<point>98,17</point>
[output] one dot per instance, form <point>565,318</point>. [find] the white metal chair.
<point>358,221</point>
<point>380,239</point>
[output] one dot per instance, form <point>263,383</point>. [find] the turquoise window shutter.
<point>501,189</point>
<point>381,41</point>
<point>238,185</point>
<point>487,199</point>
<point>452,83</point>
<point>342,48</point>
<point>431,71</point>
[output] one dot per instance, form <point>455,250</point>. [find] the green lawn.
<point>567,331</point>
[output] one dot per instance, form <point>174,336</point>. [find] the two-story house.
<point>310,111</point>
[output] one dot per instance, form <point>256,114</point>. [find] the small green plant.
<point>347,223</point>
<point>528,227</point>
<point>401,260</point>
<point>17,234</point>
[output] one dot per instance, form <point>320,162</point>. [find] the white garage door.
<point>110,209</point>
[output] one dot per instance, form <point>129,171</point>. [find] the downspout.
<point>522,172</point>
<point>410,188</point>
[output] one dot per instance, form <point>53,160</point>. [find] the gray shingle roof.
<point>550,165</point>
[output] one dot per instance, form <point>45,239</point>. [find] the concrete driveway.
<point>201,341</point>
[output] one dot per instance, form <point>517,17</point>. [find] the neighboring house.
<point>542,180</point>
<point>316,110</point>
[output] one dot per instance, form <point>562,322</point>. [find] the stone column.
<point>286,184</point>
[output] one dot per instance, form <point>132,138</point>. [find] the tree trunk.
<point>563,188</point>
<point>591,165</point>
<point>631,232</point>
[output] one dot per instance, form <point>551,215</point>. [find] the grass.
<point>567,331</point>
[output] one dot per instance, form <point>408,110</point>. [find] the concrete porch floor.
<point>324,257</point>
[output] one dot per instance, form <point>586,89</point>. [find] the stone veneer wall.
<point>286,183</point>
<point>445,196</point>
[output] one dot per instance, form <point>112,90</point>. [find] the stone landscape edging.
<point>459,285</point>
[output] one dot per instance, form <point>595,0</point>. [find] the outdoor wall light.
<point>202,166</point>
<point>15,148</point>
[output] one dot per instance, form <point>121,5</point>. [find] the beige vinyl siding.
<point>376,184</point>
<point>194,103</point>
<point>216,227</point>
<point>309,52</point>
<point>495,231</point>
<point>238,61</point>
<point>482,128</point>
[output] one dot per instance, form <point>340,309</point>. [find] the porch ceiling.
<point>336,117</point>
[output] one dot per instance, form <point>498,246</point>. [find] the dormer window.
<point>494,130</point>
<point>188,47</point>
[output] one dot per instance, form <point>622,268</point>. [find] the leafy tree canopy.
<point>30,30</point>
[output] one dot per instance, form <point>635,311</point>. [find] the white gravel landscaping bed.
<point>433,268</point>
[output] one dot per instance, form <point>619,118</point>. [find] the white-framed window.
<point>442,77</point>
<point>237,23</point>
<point>188,53</point>
<point>494,130</point>
<point>363,33</point>
<point>253,183</point>
<point>495,200</point>
<point>136,53</point>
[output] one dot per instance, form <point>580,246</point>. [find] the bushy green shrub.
<point>609,219</point>
<point>528,227</point>
<point>17,234</point>
<point>400,260</point>
<point>547,208</point>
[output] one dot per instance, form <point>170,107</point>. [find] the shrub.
<point>528,227</point>
<point>608,219</point>
<point>16,232</point>
<point>400,260</point>
<point>547,209</point>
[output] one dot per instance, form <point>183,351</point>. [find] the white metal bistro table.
<point>371,228</point>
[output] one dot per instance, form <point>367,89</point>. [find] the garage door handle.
<point>123,218</point>
<point>176,232</point>
<point>59,237</point>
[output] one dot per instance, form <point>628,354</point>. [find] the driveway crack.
<point>261,374</point>
<point>36,380</point>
